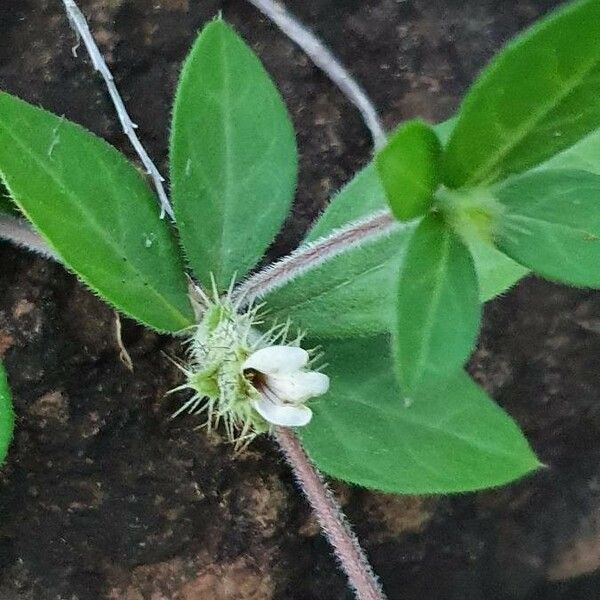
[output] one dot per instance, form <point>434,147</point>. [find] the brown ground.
<point>103,497</point>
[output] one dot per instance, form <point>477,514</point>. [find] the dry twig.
<point>81,28</point>
<point>327,62</point>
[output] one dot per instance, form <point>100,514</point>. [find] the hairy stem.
<point>331,518</point>
<point>310,255</point>
<point>19,232</point>
<point>81,28</point>
<point>326,61</point>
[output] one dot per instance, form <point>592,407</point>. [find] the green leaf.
<point>438,309</point>
<point>354,293</point>
<point>552,225</point>
<point>348,296</point>
<point>96,211</point>
<point>408,166</point>
<point>7,417</point>
<point>538,97</point>
<point>361,196</point>
<point>452,438</point>
<point>233,157</point>
<point>364,193</point>
<point>496,272</point>
<point>582,156</point>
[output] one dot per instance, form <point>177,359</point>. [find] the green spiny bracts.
<point>244,379</point>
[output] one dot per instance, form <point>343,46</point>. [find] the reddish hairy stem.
<point>331,518</point>
<point>311,255</point>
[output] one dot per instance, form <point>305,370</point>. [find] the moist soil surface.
<point>104,497</point>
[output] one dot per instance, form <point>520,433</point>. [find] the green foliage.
<point>438,307</point>
<point>96,211</point>
<point>354,292</point>
<point>538,97</point>
<point>362,196</point>
<point>452,438</point>
<point>582,156</point>
<point>233,157</point>
<point>552,225</point>
<point>347,296</point>
<point>496,272</point>
<point>408,166</point>
<point>7,417</point>
<point>233,168</point>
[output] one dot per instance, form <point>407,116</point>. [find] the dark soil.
<point>104,497</point>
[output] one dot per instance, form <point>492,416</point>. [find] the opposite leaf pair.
<point>233,180</point>
<point>537,98</point>
<point>354,294</point>
<point>547,221</point>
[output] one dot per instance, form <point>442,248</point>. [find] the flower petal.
<point>279,414</point>
<point>297,387</point>
<point>277,359</point>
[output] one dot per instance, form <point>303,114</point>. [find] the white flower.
<point>284,385</point>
